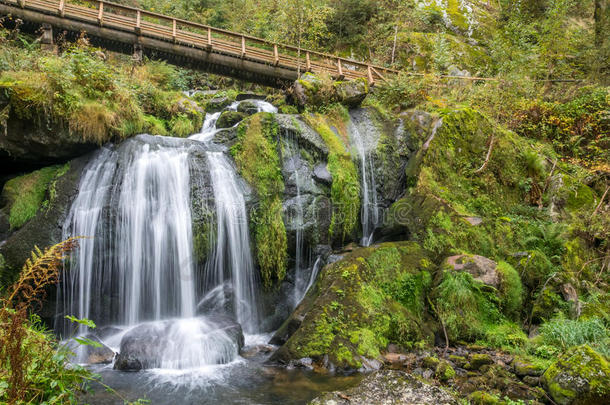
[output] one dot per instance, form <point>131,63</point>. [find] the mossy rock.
<point>580,376</point>
<point>430,362</point>
<point>247,108</point>
<point>524,368</point>
<point>444,371</point>
<point>45,227</point>
<point>484,398</point>
<point>479,360</point>
<point>372,297</point>
<point>229,119</point>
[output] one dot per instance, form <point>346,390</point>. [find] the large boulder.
<point>388,387</point>
<point>372,297</point>
<point>352,93</point>
<point>229,119</point>
<point>581,376</point>
<point>183,343</point>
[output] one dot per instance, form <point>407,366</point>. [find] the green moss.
<point>257,137</point>
<point>508,336</point>
<point>154,125</point>
<point>465,306</point>
<point>181,126</point>
<point>345,189</point>
<point>547,305</point>
<point>511,290</point>
<point>444,371</point>
<point>352,313</point>
<point>580,375</point>
<point>229,118</point>
<point>27,194</point>
<point>484,398</point>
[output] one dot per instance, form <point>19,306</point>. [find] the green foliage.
<point>27,194</point>
<point>511,290</point>
<point>507,336</point>
<point>97,97</point>
<point>567,333</point>
<point>464,307</point>
<point>257,136</point>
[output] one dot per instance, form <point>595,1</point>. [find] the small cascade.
<point>232,253</point>
<point>362,132</point>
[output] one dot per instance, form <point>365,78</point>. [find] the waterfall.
<point>133,203</point>
<point>232,252</point>
<point>369,216</point>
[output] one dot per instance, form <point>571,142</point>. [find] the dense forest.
<point>440,237</point>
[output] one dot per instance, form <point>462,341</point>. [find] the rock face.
<point>581,376</point>
<point>229,118</point>
<point>388,387</point>
<point>180,343</point>
<point>481,268</point>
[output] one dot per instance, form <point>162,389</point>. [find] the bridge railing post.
<point>138,22</point>
<point>307,62</point>
<point>276,56</point>
<point>22,3</point>
<point>369,73</point>
<point>243,46</point>
<point>100,14</point>
<point>340,69</point>
<point>174,30</point>
<point>61,8</point>
<point>209,38</point>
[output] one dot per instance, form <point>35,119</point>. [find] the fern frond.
<point>41,270</point>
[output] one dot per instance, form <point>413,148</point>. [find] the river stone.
<point>388,387</point>
<point>217,104</point>
<point>147,345</point>
<point>481,268</point>
<point>580,376</point>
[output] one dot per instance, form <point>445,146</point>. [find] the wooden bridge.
<point>127,29</point>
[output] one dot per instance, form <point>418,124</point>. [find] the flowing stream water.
<point>135,270</point>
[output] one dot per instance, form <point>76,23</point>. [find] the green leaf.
<point>84,321</point>
<point>88,342</point>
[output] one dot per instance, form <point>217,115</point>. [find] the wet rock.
<point>481,268</point>
<point>579,376</point>
<point>180,344</point>
<point>253,351</point>
<point>459,361</point>
<point>247,108</point>
<point>250,96</point>
<point>313,90</point>
<point>229,119</point>
<point>388,387</point>
<point>227,136</point>
<point>307,137</point>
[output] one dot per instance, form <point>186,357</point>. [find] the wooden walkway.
<point>189,43</point>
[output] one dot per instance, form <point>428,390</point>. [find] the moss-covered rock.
<point>258,162</point>
<point>484,398</point>
<point>345,188</point>
<point>25,195</point>
<point>579,376</point>
<point>523,368</point>
<point>229,118</point>
<point>372,297</point>
<point>444,371</point>
<point>45,227</point>
<point>478,360</point>
<point>317,91</point>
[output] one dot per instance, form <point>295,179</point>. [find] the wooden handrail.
<point>159,26</point>
<point>236,34</point>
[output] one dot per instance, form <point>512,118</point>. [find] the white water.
<point>369,214</point>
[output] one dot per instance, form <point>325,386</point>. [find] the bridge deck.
<point>185,42</point>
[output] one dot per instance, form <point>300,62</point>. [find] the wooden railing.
<point>175,30</point>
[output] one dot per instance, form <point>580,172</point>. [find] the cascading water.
<point>359,125</point>
<point>232,251</point>
<point>137,207</point>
